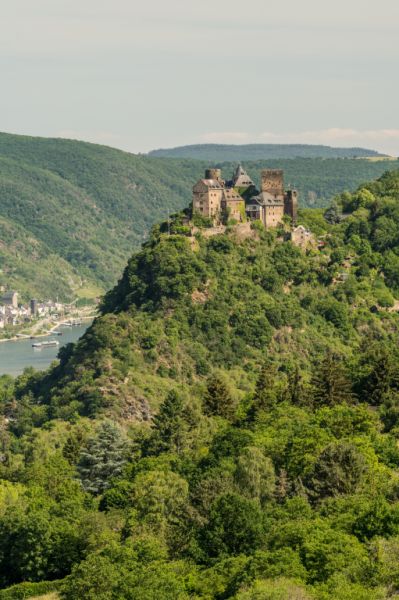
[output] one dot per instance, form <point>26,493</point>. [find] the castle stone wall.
<point>273,182</point>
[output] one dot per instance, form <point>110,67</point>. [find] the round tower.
<point>213,174</point>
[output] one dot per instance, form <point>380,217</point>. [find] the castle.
<point>239,199</point>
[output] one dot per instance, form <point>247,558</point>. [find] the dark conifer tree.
<point>296,391</point>
<point>330,383</point>
<point>382,379</point>
<point>218,399</point>
<point>73,445</point>
<point>169,426</point>
<point>338,470</point>
<point>265,396</point>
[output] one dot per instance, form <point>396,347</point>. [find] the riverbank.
<point>55,324</point>
<point>19,355</point>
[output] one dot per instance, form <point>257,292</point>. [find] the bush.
<point>28,590</point>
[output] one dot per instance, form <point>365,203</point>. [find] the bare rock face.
<point>136,409</point>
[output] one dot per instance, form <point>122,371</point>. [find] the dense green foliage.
<point>227,429</point>
<point>71,213</point>
<point>232,152</point>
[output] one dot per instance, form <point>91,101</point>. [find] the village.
<point>36,318</point>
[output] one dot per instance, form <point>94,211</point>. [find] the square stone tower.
<point>273,182</point>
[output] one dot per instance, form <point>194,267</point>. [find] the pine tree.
<point>73,445</point>
<point>383,378</point>
<point>265,396</point>
<point>296,391</point>
<point>218,399</point>
<point>338,470</point>
<point>168,426</point>
<point>330,383</point>
<point>102,458</point>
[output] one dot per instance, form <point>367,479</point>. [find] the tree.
<point>218,399</point>
<point>159,497</point>
<point>265,396</point>
<point>382,380</point>
<point>102,458</point>
<point>338,470</point>
<point>296,391</point>
<point>330,383</point>
<point>168,426</point>
<point>92,580</point>
<point>235,526</point>
<point>333,214</point>
<point>73,445</point>
<point>275,589</point>
<point>255,475</point>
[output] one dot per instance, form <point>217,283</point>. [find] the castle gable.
<point>268,199</point>
<point>230,195</point>
<point>203,185</point>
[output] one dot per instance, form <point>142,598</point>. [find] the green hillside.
<point>88,205</point>
<point>84,208</point>
<point>240,152</point>
<point>227,429</point>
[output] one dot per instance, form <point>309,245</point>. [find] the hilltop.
<point>228,426</point>
<point>223,299</point>
<point>247,152</point>
<point>72,212</point>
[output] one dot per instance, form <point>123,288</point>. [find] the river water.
<point>15,356</point>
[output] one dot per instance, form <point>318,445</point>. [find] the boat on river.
<point>47,344</point>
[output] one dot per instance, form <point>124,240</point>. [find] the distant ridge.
<point>227,152</point>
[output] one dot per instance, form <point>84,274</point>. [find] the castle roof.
<point>230,195</point>
<point>266,199</point>
<point>208,183</point>
<point>241,178</point>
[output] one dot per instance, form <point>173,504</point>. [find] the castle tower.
<point>273,182</point>
<point>215,174</point>
<point>241,179</point>
<point>291,205</point>
<point>208,194</point>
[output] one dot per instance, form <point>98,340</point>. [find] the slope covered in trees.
<point>228,427</point>
<point>238,152</point>
<point>71,213</point>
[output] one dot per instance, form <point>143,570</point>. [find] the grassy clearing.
<point>89,292</point>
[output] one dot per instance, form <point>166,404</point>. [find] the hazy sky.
<point>156,73</point>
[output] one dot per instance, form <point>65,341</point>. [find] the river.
<point>15,356</point>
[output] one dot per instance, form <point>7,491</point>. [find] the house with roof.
<point>302,237</point>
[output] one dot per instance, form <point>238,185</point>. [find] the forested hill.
<point>71,213</point>
<point>239,152</point>
<point>79,203</point>
<point>227,428</point>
